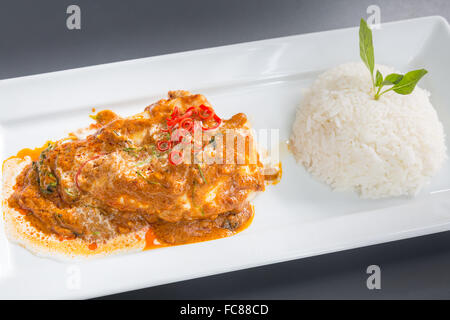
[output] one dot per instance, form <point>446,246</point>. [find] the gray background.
<point>34,39</point>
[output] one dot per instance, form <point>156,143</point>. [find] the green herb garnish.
<point>366,47</point>
<point>166,135</point>
<point>201,173</point>
<point>51,186</point>
<point>142,163</point>
<point>133,151</point>
<point>153,150</point>
<point>70,193</point>
<point>401,84</point>
<point>43,154</point>
<point>405,85</point>
<point>146,179</point>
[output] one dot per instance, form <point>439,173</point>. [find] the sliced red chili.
<point>187,124</point>
<point>193,109</point>
<point>187,114</point>
<point>218,123</point>
<point>163,145</point>
<point>207,113</point>
<point>175,113</point>
<point>173,155</point>
<point>172,122</point>
<point>173,119</point>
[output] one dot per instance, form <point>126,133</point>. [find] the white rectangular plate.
<point>297,218</point>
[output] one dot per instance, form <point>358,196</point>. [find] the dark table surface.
<point>34,39</point>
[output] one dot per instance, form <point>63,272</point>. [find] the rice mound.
<point>345,138</point>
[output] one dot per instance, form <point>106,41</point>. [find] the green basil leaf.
<point>407,84</point>
<point>392,79</point>
<point>366,46</point>
<point>379,79</point>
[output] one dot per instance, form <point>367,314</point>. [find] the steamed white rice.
<point>383,148</point>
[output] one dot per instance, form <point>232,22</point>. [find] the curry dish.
<point>120,177</point>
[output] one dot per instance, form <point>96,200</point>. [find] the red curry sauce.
<point>115,182</point>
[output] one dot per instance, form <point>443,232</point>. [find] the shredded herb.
<point>70,193</point>
<point>58,217</point>
<point>50,187</point>
<point>154,151</point>
<point>201,173</point>
<point>401,84</point>
<point>141,163</point>
<point>43,154</point>
<point>139,173</point>
<point>133,151</point>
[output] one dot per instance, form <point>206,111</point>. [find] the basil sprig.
<point>401,84</point>
<point>366,47</point>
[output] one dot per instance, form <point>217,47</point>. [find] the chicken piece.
<point>118,180</point>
